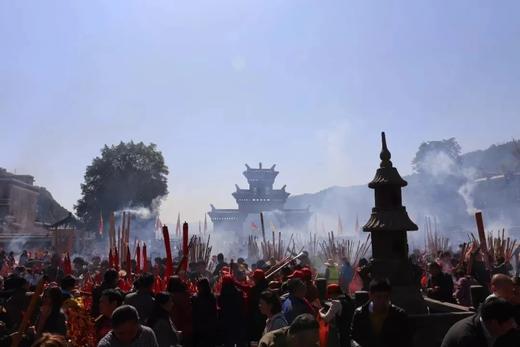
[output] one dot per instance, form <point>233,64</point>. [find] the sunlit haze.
<point>217,84</point>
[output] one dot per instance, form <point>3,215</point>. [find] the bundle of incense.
<point>253,252</point>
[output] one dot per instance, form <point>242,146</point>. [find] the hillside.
<point>450,197</point>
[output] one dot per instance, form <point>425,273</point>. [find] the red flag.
<point>101,224</point>
<point>254,226</point>
<point>138,259</point>
<point>168,248</point>
<point>145,259</point>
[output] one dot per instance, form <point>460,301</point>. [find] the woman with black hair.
<point>51,319</point>
<point>271,307</point>
<point>204,305</point>
<point>161,323</point>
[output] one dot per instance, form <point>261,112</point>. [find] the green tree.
<point>127,175</point>
<point>436,153</point>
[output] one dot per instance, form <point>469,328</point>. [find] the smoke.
<point>467,189</point>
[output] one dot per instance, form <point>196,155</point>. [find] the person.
<point>51,318</point>
<point>204,308</point>
<point>24,257</point>
<point>501,287</point>
<point>345,276</point>
<point>515,300</point>
<point>181,314</point>
<point>109,301</point>
<point>363,271</point>
<point>255,318</point>
<point>231,305</point>
<point>18,301</point>
<point>462,293</point>
<point>378,322</point>
<point>312,293</point>
<point>337,313</point>
<point>142,299</point>
<point>502,267</point>
<point>161,322</point>
<point>303,332</point>
<point>271,307</point>
<point>331,272</point>
<point>494,319</point>
<point>110,281</point>
<point>50,340</point>
<point>67,284</point>
<point>295,304</point>
<point>479,269</point>
<point>127,331</point>
<point>220,264</point>
<point>440,284</point>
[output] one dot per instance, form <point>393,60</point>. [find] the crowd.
<point>45,301</point>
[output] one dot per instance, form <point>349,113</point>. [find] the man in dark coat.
<point>256,320</point>
<point>378,323</point>
<point>440,284</point>
<point>494,320</point>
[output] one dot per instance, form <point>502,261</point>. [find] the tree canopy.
<point>434,154</point>
<point>125,175</point>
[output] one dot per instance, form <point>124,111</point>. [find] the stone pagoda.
<point>388,225</point>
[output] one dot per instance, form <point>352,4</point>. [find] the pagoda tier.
<point>260,197</point>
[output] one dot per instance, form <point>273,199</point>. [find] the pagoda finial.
<point>385,153</point>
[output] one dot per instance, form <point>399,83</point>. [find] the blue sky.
<point>307,85</point>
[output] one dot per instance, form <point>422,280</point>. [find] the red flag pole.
<point>168,248</point>
<point>145,259</point>
<point>138,259</point>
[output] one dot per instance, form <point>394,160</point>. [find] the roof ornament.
<point>385,153</point>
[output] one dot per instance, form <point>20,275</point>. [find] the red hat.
<point>259,274</point>
<point>297,274</point>
<point>333,289</point>
<point>307,273</point>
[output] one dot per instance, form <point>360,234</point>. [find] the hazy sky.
<point>307,85</point>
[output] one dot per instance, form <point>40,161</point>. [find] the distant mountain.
<point>49,211</point>
<point>449,198</point>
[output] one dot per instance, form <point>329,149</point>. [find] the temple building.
<point>259,197</point>
<point>29,216</point>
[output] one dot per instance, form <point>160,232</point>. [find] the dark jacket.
<point>163,327</point>
<point>467,332</point>
<point>395,331</point>
<point>232,324</point>
<point>445,284</point>
<point>143,302</point>
<point>205,320</point>
<point>255,319</point>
